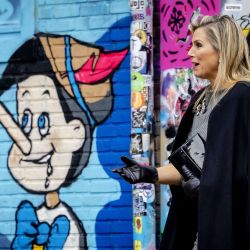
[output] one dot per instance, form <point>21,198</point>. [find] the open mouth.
<point>44,159</point>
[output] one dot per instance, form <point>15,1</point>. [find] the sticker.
<point>148,193</point>
<point>137,245</point>
<point>137,4</point>
<point>233,7</point>
<point>145,92</point>
<point>148,80</point>
<point>137,100</point>
<point>139,205</point>
<point>141,25</point>
<point>138,16</point>
<point>145,191</point>
<point>139,120</point>
<point>136,144</point>
<point>137,81</point>
<point>145,142</point>
<point>142,35</point>
<point>138,62</point>
<point>138,224</point>
<point>142,160</point>
<point>135,44</point>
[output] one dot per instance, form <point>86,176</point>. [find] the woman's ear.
<point>77,132</point>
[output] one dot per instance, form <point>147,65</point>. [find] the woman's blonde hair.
<point>228,40</point>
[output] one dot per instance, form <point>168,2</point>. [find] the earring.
<point>219,60</point>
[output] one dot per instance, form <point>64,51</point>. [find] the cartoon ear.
<point>77,131</point>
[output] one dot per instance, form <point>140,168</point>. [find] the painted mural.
<point>61,85</point>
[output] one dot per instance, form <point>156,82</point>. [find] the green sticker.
<point>137,81</point>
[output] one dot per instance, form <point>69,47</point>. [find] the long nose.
<point>13,130</point>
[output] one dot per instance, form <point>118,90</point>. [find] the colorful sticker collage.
<point>142,101</point>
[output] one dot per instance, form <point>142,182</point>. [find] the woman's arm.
<point>168,175</point>
<point>135,173</point>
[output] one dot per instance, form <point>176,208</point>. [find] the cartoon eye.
<point>27,121</point>
<point>43,124</point>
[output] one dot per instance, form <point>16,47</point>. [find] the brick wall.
<point>71,115</point>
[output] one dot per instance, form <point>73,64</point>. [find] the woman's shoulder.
<point>237,96</point>
<point>243,84</point>
<point>240,89</point>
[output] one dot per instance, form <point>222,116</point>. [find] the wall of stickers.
<point>142,102</point>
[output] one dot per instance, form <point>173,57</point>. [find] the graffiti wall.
<point>64,95</point>
<point>239,10</point>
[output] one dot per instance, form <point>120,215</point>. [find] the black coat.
<point>222,213</point>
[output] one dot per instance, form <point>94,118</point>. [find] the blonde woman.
<point>213,212</point>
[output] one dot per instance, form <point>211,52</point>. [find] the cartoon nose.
<point>13,130</point>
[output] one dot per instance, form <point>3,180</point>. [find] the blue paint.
<point>73,82</point>
<point>116,209</point>
<point>17,28</point>
<point>84,195</point>
<point>4,242</point>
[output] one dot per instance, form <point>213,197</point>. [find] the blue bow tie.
<point>30,231</point>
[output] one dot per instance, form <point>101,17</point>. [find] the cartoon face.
<point>53,139</point>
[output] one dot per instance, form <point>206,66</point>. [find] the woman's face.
<point>53,139</point>
<point>204,57</point>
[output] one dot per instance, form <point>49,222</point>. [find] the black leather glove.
<point>190,183</point>
<point>134,173</point>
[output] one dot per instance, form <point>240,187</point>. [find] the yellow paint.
<point>37,247</point>
<point>137,245</point>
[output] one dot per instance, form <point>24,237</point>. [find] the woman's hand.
<point>134,173</point>
<point>190,183</point>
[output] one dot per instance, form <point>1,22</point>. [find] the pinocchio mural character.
<point>64,90</point>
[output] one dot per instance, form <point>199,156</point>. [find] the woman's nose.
<point>190,51</point>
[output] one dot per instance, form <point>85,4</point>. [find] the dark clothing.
<point>222,214</point>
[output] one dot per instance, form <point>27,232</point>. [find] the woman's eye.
<point>27,121</point>
<point>43,124</point>
<point>198,45</point>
